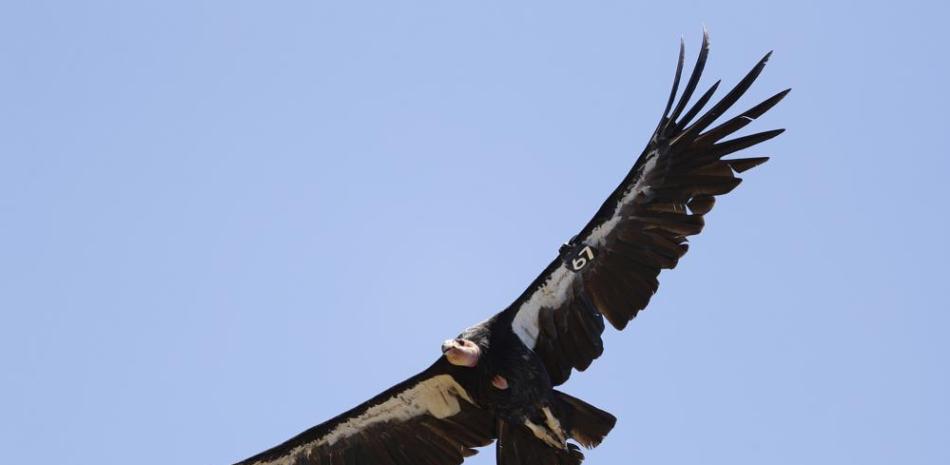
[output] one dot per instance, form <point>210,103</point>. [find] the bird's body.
<point>496,380</point>
<point>506,356</point>
<point>513,384</point>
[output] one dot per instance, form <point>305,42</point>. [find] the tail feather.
<point>542,442</point>
<point>586,424</point>
<point>516,445</point>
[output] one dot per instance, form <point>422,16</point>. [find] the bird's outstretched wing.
<point>610,268</point>
<point>428,419</point>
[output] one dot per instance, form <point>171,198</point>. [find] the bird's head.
<point>461,352</point>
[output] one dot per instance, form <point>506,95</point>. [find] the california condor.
<point>495,381</point>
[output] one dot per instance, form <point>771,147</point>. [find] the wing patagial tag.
<point>577,257</point>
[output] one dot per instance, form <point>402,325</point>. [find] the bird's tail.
<point>518,445</point>
<point>586,424</point>
<point>543,440</point>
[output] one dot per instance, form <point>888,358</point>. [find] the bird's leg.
<point>553,423</point>
<point>543,434</point>
<point>499,382</point>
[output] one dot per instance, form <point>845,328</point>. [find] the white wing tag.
<point>578,257</point>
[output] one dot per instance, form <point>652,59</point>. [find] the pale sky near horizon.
<point>224,222</point>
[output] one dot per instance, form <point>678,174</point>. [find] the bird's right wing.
<point>609,270</point>
<point>429,419</point>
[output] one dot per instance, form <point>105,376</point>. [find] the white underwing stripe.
<point>437,396</point>
<point>555,289</point>
<point>551,293</point>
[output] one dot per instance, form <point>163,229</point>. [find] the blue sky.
<point>224,222</point>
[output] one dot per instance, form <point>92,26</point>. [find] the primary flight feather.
<point>495,381</point>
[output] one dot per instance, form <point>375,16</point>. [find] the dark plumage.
<point>495,381</point>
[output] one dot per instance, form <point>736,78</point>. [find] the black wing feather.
<point>693,78</point>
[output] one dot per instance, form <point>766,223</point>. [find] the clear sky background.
<point>224,222</point>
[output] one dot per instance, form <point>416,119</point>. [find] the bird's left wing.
<point>610,268</point>
<point>429,419</point>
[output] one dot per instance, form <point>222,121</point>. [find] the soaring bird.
<point>495,380</point>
